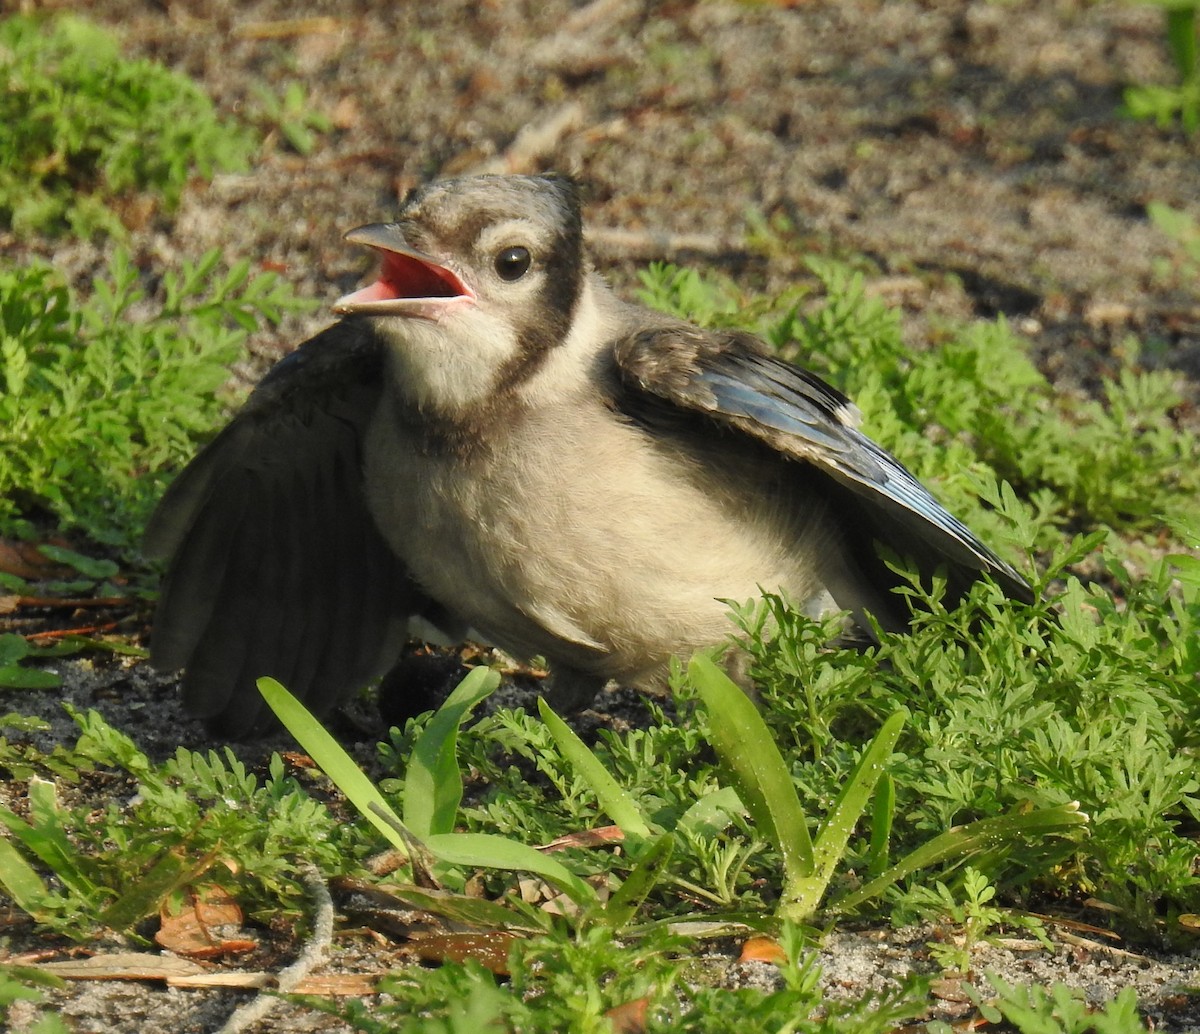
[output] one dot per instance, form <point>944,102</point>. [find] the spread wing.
<point>275,564</point>
<point>729,379</point>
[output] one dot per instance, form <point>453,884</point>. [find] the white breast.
<point>582,537</point>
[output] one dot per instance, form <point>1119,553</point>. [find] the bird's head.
<point>478,284</point>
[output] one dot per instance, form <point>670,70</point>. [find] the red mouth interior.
<point>403,276</point>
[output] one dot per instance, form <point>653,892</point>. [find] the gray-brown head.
<point>479,283</point>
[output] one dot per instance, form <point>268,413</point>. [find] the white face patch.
<point>448,366</point>
<point>509,296</point>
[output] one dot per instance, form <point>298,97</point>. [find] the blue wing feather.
<point>731,379</point>
<point>765,405</point>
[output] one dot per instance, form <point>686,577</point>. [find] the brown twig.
<point>615,242</point>
<point>63,633</point>
<point>533,141</point>
<point>285,27</point>
<point>59,603</point>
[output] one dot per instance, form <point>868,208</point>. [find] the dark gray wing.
<point>276,567</point>
<point>729,379</point>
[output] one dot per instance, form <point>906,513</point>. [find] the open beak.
<point>410,282</point>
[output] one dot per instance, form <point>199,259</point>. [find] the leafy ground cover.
<point>84,127</point>
<point>1005,772</point>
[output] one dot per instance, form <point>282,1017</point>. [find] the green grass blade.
<point>19,879</point>
<point>743,741</point>
<point>331,758</point>
<point>615,802</point>
<point>962,841</point>
<point>1181,34</point>
<point>47,838</point>
<point>473,849</point>
<point>883,812</point>
<point>433,784</point>
<point>834,832</point>
<point>623,905</point>
<point>484,851</point>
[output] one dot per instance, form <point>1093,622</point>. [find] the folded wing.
<point>729,380</point>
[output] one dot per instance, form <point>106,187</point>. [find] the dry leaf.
<point>762,949</point>
<point>586,838</point>
<point>23,560</point>
<point>203,926</point>
<point>949,989</point>
<point>338,984</point>
<point>347,114</point>
<point>239,979</point>
<point>124,965</point>
<point>489,949</point>
<point>629,1018</point>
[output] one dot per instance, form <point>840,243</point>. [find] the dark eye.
<point>513,263</point>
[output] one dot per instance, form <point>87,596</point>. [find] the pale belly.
<point>595,549</point>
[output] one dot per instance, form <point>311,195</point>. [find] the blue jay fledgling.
<point>491,440</point>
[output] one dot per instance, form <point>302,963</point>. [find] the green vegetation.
<point>1057,1010</point>
<point>18,655</point>
<point>104,396</point>
<point>1180,100</point>
<point>1094,705</point>
<point>1052,746</point>
<point>24,983</point>
<point>292,115</point>
<point>1184,232</point>
<point>97,406</point>
<point>592,982</point>
<point>82,127</point>
<point>114,869</point>
<point>1000,758</point>
<point>101,400</point>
